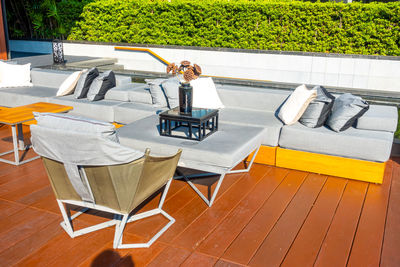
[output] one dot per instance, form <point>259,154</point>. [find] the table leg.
<point>15,144</point>
<point>21,142</point>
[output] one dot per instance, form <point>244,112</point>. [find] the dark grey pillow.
<point>345,111</point>
<point>319,109</point>
<point>157,92</point>
<point>84,82</point>
<point>100,85</point>
<point>171,89</point>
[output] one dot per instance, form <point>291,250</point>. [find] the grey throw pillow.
<point>319,109</point>
<point>171,89</point>
<point>157,93</point>
<point>345,111</point>
<point>100,85</point>
<point>84,82</point>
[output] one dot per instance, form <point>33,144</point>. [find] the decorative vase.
<point>185,98</point>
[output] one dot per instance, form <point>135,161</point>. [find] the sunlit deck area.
<point>268,217</point>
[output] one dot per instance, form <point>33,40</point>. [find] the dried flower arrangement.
<point>189,72</point>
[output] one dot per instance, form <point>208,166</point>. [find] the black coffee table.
<point>195,126</point>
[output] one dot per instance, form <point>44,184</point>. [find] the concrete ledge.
<point>345,71</point>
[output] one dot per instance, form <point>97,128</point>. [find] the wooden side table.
<point>17,116</point>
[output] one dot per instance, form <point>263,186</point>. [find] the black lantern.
<point>58,52</point>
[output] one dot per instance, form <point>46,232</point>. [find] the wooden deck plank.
<point>275,246</point>
<point>225,263</point>
<point>148,227</point>
<point>106,256</point>
<point>84,249</point>
<point>53,249</point>
<point>307,244</point>
<point>140,256</point>
<point>32,184</point>
<point>199,259</point>
<point>205,223</point>
<point>14,183</point>
<point>337,244</point>
<point>18,218</point>
<point>7,208</point>
<point>9,172</point>
<point>185,216</point>
<point>29,245</point>
<point>170,256</point>
<point>220,239</point>
<point>36,196</point>
<point>390,250</point>
<point>367,245</point>
<point>246,244</point>
<point>23,230</point>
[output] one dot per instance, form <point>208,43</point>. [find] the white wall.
<point>358,72</point>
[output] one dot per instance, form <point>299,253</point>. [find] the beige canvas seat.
<point>87,167</point>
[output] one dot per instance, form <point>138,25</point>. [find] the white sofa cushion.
<point>68,86</point>
<point>205,94</point>
<point>296,104</point>
<point>13,75</point>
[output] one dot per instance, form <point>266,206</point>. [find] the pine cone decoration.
<point>190,72</point>
<point>188,75</point>
<point>170,67</point>
<point>174,69</point>
<point>185,63</point>
<point>197,69</point>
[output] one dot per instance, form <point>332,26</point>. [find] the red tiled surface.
<point>267,217</point>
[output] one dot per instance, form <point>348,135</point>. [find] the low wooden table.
<point>17,116</point>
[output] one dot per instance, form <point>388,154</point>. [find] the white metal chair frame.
<point>18,144</point>
<point>120,220</point>
<point>210,201</point>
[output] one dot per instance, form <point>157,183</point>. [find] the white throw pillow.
<point>296,104</point>
<point>13,75</point>
<point>68,86</point>
<point>205,94</point>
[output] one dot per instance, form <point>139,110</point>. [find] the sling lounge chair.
<point>87,167</point>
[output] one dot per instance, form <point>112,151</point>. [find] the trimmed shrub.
<point>370,29</point>
<point>356,28</point>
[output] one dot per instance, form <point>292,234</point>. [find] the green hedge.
<point>355,28</point>
<point>291,26</point>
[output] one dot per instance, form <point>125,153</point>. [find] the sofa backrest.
<point>48,78</point>
<point>262,99</point>
<point>54,78</point>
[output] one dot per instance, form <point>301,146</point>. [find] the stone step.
<point>114,67</point>
<point>92,63</point>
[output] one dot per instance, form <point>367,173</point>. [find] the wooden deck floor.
<point>268,217</point>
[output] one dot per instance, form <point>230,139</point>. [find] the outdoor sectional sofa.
<point>357,153</point>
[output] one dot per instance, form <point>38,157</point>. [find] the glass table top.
<point>197,113</point>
